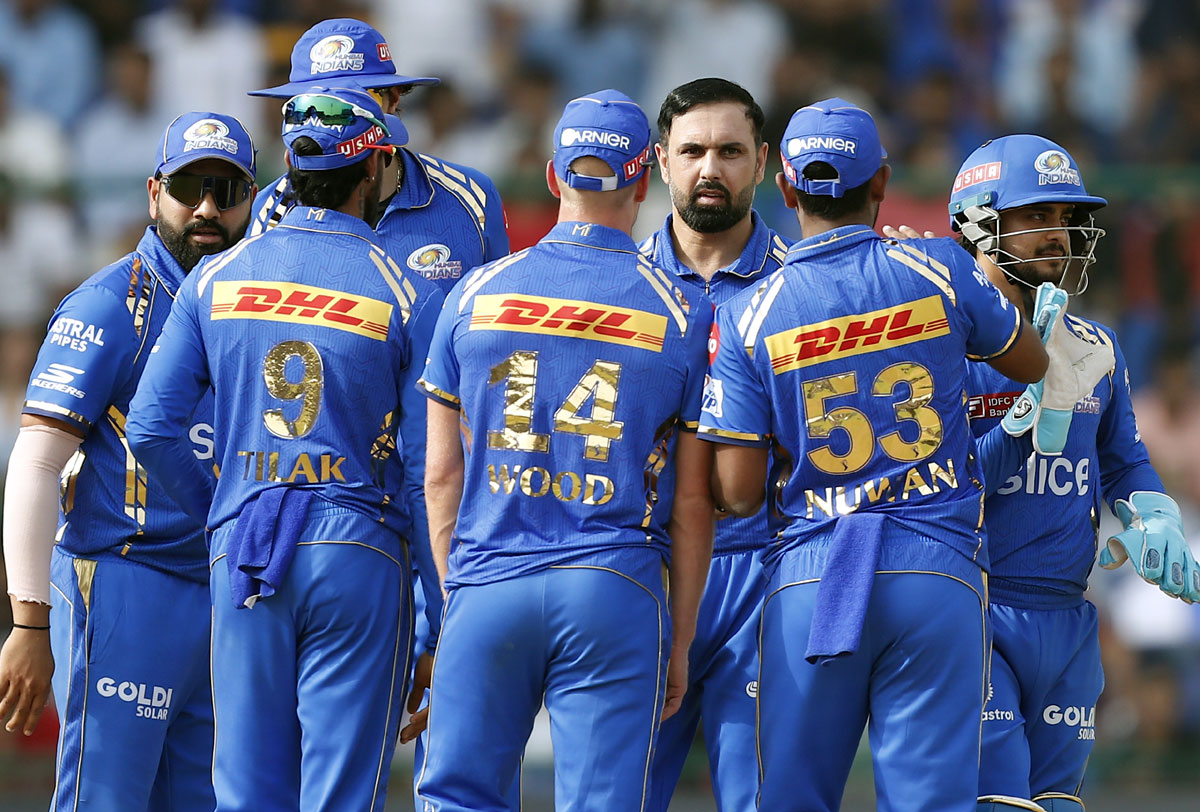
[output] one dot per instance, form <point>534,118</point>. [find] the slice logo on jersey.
<point>208,133</point>
<point>848,336</point>
<point>152,701</point>
<point>57,378</point>
<point>569,317</point>
<point>1057,476</point>
<point>75,334</point>
<point>433,262</point>
<point>1053,166</point>
<point>977,174</point>
<point>335,53</point>
<point>301,304</point>
<point>605,138</point>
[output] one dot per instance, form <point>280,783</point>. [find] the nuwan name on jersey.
<point>845,499</point>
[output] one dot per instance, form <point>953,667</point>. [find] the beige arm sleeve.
<point>31,508</point>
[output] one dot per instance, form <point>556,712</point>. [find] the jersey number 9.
<point>307,390</point>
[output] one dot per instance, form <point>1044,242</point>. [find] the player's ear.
<point>760,163</point>
<point>153,189</point>
<point>787,190</point>
<point>660,156</point>
<point>642,187</point>
<point>552,180</point>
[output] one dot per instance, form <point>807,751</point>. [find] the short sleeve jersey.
<point>574,364</point>
<point>444,220</point>
<point>848,363</point>
<point>1042,520</point>
<point>86,373</point>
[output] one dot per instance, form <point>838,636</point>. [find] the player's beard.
<point>709,218</point>
<point>188,253</point>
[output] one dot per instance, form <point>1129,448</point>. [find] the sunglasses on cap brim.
<point>189,190</point>
<point>328,109</point>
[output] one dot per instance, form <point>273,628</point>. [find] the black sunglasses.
<point>189,190</point>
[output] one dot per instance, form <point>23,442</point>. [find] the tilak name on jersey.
<point>847,336</point>
<point>569,317</point>
<point>301,304</point>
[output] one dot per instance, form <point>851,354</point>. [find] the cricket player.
<point>1021,207</point>
<point>311,337</point>
<point>848,364</point>
<point>563,472</point>
<point>120,604</point>
<point>441,219</point>
<point>712,155</point>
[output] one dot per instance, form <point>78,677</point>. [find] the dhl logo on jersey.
<point>569,317</point>
<point>301,304</point>
<point>855,335</point>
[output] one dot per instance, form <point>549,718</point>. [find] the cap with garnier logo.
<point>342,52</point>
<point>835,132</point>
<point>196,136</point>
<point>344,122</point>
<point>607,125</point>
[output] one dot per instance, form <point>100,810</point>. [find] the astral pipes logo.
<point>335,53</point>
<point>152,701</point>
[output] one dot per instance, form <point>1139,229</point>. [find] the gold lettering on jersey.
<point>301,304</point>
<point>535,481</point>
<point>264,466</point>
<point>848,336</point>
<point>569,317</point>
<point>842,500</point>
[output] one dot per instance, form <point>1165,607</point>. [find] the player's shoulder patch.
<point>466,184</point>
<point>474,281</point>
<point>668,291</point>
<point>648,246</point>
<point>777,249</point>
<point>754,305</point>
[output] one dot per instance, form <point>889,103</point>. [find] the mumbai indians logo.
<point>433,262</point>
<point>335,53</point>
<point>1054,166</point>
<point>208,133</point>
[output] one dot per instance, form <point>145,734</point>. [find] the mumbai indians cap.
<point>838,133</point>
<point>1018,170</point>
<point>196,136</point>
<point>608,125</point>
<point>341,52</point>
<point>345,122</point>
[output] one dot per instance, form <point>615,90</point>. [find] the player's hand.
<point>1154,544</point>
<point>26,665</point>
<point>677,680</point>
<point>903,232</point>
<point>418,714</point>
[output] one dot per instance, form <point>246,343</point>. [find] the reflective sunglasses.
<point>329,109</point>
<point>189,190</point>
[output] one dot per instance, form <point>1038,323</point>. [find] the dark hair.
<point>708,91</point>
<point>323,188</point>
<point>826,207</point>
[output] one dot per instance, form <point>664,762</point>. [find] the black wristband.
<point>34,628</point>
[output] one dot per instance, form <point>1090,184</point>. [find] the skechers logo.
<point>57,378</point>
<point>569,317</point>
<point>846,336</point>
<point>301,304</point>
<point>152,701</point>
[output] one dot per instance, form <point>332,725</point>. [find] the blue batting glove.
<point>1154,543</point>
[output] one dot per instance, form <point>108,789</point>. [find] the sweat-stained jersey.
<point>1043,519</point>
<point>763,255</point>
<point>562,464</point>
<point>848,362</point>
<point>444,220</point>
<point>86,373</point>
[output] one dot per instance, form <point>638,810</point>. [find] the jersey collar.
<point>834,240</point>
<point>309,218</point>
<point>591,235</point>
<point>751,262</point>
<point>160,261</point>
<point>415,190</point>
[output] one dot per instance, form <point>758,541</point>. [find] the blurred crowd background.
<point>87,86</point>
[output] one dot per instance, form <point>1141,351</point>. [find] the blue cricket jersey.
<point>848,364</point>
<point>312,338</point>
<point>1043,520</point>
<point>86,373</point>
<point>444,220</point>
<point>574,363</point>
<point>763,255</point>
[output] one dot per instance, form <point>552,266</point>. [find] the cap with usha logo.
<point>341,52</point>
<point>607,125</point>
<point>344,122</point>
<point>838,133</point>
<point>196,136</point>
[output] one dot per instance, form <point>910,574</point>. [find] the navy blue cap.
<point>838,133</point>
<point>196,136</point>
<point>342,52</point>
<point>607,125</point>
